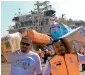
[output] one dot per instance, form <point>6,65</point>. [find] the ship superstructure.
<point>39,19</point>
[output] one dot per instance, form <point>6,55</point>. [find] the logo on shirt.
<point>24,63</point>
<point>58,63</point>
<point>70,59</point>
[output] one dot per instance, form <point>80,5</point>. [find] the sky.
<point>74,9</point>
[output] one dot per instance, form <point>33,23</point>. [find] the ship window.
<point>26,23</point>
<point>22,24</point>
<point>30,23</point>
<point>35,17</point>
<point>42,22</point>
<point>49,13</point>
<point>17,25</point>
<point>16,19</point>
<point>36,21</point>
<point>28,16</point>
<point>34,24</point>
<point>47,21</point>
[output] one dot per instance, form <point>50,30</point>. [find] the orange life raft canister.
<point>37,38</point>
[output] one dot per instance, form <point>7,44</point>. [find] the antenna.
<point>19,11</point>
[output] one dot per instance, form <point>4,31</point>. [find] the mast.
<point>42,6</point>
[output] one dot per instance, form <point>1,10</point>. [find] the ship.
<point>39,19</point>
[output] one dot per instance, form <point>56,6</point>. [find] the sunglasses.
<point>23,43</point>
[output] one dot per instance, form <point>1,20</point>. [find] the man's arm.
<point>38,66</point>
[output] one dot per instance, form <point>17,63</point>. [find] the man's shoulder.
<point>16,52</point>
<point>33,53</point>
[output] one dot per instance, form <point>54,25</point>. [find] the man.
<point>46,55</point>
<point>24,61</point>
<point>64,62</point>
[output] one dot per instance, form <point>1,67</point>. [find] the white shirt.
<point>81,59</point>
<point>25,63</point>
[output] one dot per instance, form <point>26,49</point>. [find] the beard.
<point>24,50</point>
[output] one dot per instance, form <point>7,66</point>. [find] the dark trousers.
<point>83,67</point>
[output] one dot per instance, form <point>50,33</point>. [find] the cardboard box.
<point>76,38</point>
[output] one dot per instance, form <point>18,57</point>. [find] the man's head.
<point>26,44</point>
<point>59,46</point>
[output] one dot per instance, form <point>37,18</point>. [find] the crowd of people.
<point>27,62</point>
